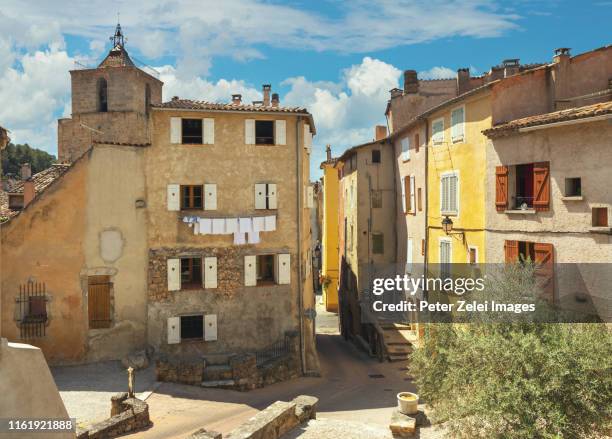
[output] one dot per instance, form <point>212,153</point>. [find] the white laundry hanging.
<point>270,223</point>
<point>218,226</point>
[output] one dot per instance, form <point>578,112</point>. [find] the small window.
<point>378,243</point>
<point>191,197</point>
<point>419,199</point>
<point>417,142</point>
<point>265,270</point>
<point>191,273</point>
<point>573,187</point>
<point>600,216</point>
<point>15,202</point>
<point>376,156</point>
<point>102,95</point>
<point>377,199</point>
<point>192,131</point>
<point>264,132</point>
<point>472,255</point>
<point>99,301</point>
<point>192,327</point>
<point>437,131</point>
<point>524,186</point>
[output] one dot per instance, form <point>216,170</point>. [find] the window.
<point>192,131</point>
<point>15,202</point>
<point>472,255</point>
<point>458,124</point>
<point>446,257</point>
<point>417,142</point>
<point>419,199</point>
<point>524,187</point>
<point>265,269</point>
<point>32,302</point>
<point>99,301</point>
<point>405,149</point>
<point>264,132</point>
<point>377,199</point>
<point>378,243</point>
<point>191,197</point>
<point>102,96</point>
<point>600,216</point>
<point>437,131</point>
<point>192,327</point>
<point>573,187</point>
<point>191,273</point>
<point>265,196</point>
<point>449,190</point>
<point>376,156</point>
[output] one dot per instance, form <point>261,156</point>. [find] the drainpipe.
<point>426,255</point>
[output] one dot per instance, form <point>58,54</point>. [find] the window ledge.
<point>520,211</point>
<point>573,198</point>
<point>449,213</point>
<point>601,229</point>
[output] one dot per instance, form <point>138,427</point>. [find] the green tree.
<point>13,156</point>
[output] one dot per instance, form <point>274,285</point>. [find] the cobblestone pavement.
<point>86,390</point>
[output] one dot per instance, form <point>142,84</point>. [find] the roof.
<point>117,57</point>
<point>588,111</point>
<point>331,161</point>
<point>353,149</point>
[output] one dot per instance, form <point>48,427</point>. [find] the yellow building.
<point>456,179</point>
<point>330,266</point>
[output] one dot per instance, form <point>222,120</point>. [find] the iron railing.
<point>32,303</point>
<point>276,350</point>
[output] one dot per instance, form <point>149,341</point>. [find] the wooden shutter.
<point>210,327</point>
<point>271,194</point>
<point>210,196</point>
<point>174,199</point>
<point>174,330</point>
<point>175,130</point>
<point>511,250</point>
<point>403,183</point>
<point>280,132</point>
<point>544,260</point>
<point>501,188</point>
<point>98,302</point>
<point>174,274</point>
<point>541,186</point>
<point>250,270</point>
<point>210,272</point>
<point>420,199</point>
<point>260,195</point>
<point>283,276</point>
<point>208,131</point>
<point>412,195</point>
<point>249,131</point>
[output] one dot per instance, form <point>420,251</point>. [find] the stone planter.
<point>407,403</point>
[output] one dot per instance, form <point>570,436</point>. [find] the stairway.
<point>398,339</point>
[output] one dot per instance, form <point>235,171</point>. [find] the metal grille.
<point>32,303</point>
<point>272,352</point>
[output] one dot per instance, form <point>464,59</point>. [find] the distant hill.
<point>13,156</point>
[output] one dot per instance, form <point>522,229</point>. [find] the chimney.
<point>266,94</point>
<point>328,152</point>
<point>463,80</point>
<point>511,66</point>
<point>236,99</point>
<point>395,92</point>
<point>411,82</point>
<point>381,132</point>
<point>28,192</point>
<point>175,98</point>
<point>562,54</point>
<point>26,171</point>
<point>275,100</point>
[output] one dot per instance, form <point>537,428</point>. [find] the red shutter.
<point>541,186</point>
<point>512,251</point>
<point>501,188</point>
<point>544,259</point>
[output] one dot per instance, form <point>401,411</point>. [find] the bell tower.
<point>110,103</point>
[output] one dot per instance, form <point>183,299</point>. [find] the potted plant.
<point>407,403</point>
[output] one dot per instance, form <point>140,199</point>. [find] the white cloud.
<point>438,73</point>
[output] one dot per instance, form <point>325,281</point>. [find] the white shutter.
<point>452,199</point>
<point>307,137</point>
<point>409,256</point>
<point>260,195</point>
<point>208,126</point>
<point>457,124</point>
<point>412,198</point>
<point>250,270</point>
<point>174,199</point>
<point>210,327</point>
<point>280,132</point>
<point>405,148</point>
<point>175,130</point>
<point>283,276</point>
<point>174,330</point>
<point>272,201</point>
<point>210,196</point>
<point>174,274</point>
<point>444,194</point>
<point>403,184</point>
<point>210,272</point>
<point>309,197</point>
<point>249,131</point>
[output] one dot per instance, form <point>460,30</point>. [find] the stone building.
<point>329,225</point>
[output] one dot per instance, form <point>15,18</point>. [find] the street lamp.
<point>447,224</point>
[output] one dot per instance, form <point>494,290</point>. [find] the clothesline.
<point>245,229</point>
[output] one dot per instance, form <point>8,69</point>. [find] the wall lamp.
<point>447,226</point>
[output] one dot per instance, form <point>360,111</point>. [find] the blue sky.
<point>337,58</point>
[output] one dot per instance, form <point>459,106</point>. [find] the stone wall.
<point>127,415</point>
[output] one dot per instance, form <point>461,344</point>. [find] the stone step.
<point>397,326</point>
<point>217,373</point>
<point>399,349</point>
<point>399,357</point>
<point>219,383</point>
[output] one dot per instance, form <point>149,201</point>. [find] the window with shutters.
<point>265,270</point>
<point>458,124</point>
<point>600,217</point>
<point>523,195</point>
<point>523,186</point>
<point>191,197</point>
<point>377,199</point>
<point>405,142</point>
<point>437,131</point>
<point>264,132</point>
<point>449,194</point>
<point>191,130</point>
<point>192,327</point>
<point>99,301</point>
<point>376,156</point>
<point>191,273</point>
<point>446,257</point>
<point>266,196</point>
<point>378,243</point>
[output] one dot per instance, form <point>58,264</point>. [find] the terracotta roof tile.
<point>188,104</point>
<point>598,109</point>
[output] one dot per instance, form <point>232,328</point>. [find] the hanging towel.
<point>218,226</point>
<point>205,226</point>
<point>196,228</point>
<point>239,238</point>
<point>258,224</point>
<point>253,237</point>
<point>231,225</point>
<point>245,225</point>
<point>270,223</point>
